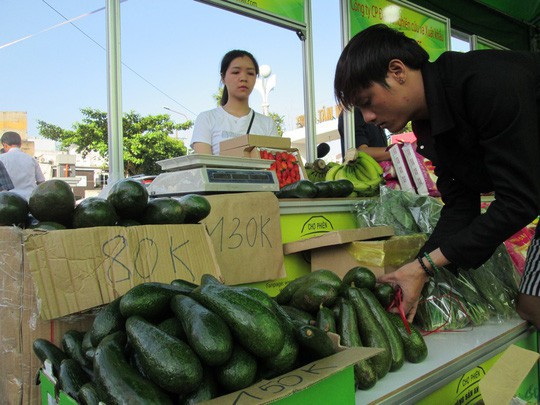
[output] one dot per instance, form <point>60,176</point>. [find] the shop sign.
<point>430,30</point>
<point>290,10</point>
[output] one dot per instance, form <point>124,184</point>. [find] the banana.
<point>331,173</point>
<point>368,169</point>
<point>360,172</point>
<point>314,176</point>
<point>358,185</point>
<point>369,161</point>
<point>341,173</point>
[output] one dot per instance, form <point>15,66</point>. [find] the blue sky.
<point>171,50</point>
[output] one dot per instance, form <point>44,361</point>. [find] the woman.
<point>476,116</point>
<point>239,71</point>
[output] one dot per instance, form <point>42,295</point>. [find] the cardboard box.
<point>501,382</point>
<point>325,381</point>
<point>418,172</point>
<point>373,247</point>
<point>338,238</point>
<point>78,269</point>
<point>402,169</point>
<point>251,146</point>
<point>246,235</point>
<point>20,323</point>
<point>246,141</point>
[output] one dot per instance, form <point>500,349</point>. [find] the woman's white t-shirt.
<point>217,125</point>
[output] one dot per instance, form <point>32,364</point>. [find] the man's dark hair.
<point>11,138</point>
<point>365,59</point>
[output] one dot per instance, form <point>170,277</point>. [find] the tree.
<point>146,139</point>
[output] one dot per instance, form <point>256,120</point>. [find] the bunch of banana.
<point>316,171</point>
<point>363,171</point>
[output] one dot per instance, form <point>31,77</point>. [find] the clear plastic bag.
<point>406,212</point>
<point>450,303</point>
<point>496,281</point>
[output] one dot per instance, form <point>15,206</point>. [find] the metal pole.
<point>114,92</point>
<point>309,93</point>
<point>348,117</point>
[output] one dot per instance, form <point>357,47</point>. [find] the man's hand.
<point>411,278</point>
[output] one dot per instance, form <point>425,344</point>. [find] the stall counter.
<point>455,364</point>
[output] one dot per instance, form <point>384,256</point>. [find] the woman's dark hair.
<point>226,62</point>
<point>366,57</point>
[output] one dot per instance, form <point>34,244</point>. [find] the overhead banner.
<point>480,44</point>
<point>430,30</point>
<point>289,13</point>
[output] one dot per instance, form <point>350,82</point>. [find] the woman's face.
<point>390,107</point>
<point>240,78</point>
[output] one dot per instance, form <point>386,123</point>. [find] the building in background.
<point>86,176</point>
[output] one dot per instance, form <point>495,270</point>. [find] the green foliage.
<point>278,119</point>
<point>146,139</point>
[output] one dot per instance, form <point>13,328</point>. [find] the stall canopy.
<point>512,24</point>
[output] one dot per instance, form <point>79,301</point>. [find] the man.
<point>22,168</point>
<point>367,137</point>
<point>476,116</point>
<point>5,181</point>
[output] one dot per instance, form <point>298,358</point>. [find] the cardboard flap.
<point>246,234</point>
<point>78,269</point>
<point>264,392</point>
<point>338,238</point>
<point>255,140</point>
<point>501,382</point>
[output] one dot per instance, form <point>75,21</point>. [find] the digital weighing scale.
<point>210,174</point>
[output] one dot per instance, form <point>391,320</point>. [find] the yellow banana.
<point>358,185</point>
<point>359,171</point>
<point>368,160</point>
<point>368,169</point>
<point>341,173</point>
<point>331,173</point>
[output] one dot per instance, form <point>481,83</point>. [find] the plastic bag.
<point>406,212</point>
<point>496,281</point>
<point>451,303</point>
<point>441,306</point>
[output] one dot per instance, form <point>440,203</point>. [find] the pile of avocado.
<point>183,343</point>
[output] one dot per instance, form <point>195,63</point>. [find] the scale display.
<point>235,176</point>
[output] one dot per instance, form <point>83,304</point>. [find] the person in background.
<point>367,137</point>
<point>476,116</point>
<point>234,117</point>
<point>22,168</point>
<point>5,181</point>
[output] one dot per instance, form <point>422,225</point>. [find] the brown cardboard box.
<point>501,382</point>
<point>264,141</point>
<point>246,235</point>
<point>338,238</point>
<point>374,247</point>
<point>250,146</point>
<point>78,269</point>
<point>20,323</point>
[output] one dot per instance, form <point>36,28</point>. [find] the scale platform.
<point>210,174</point>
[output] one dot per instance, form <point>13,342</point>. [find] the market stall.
<point>252,246</point>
